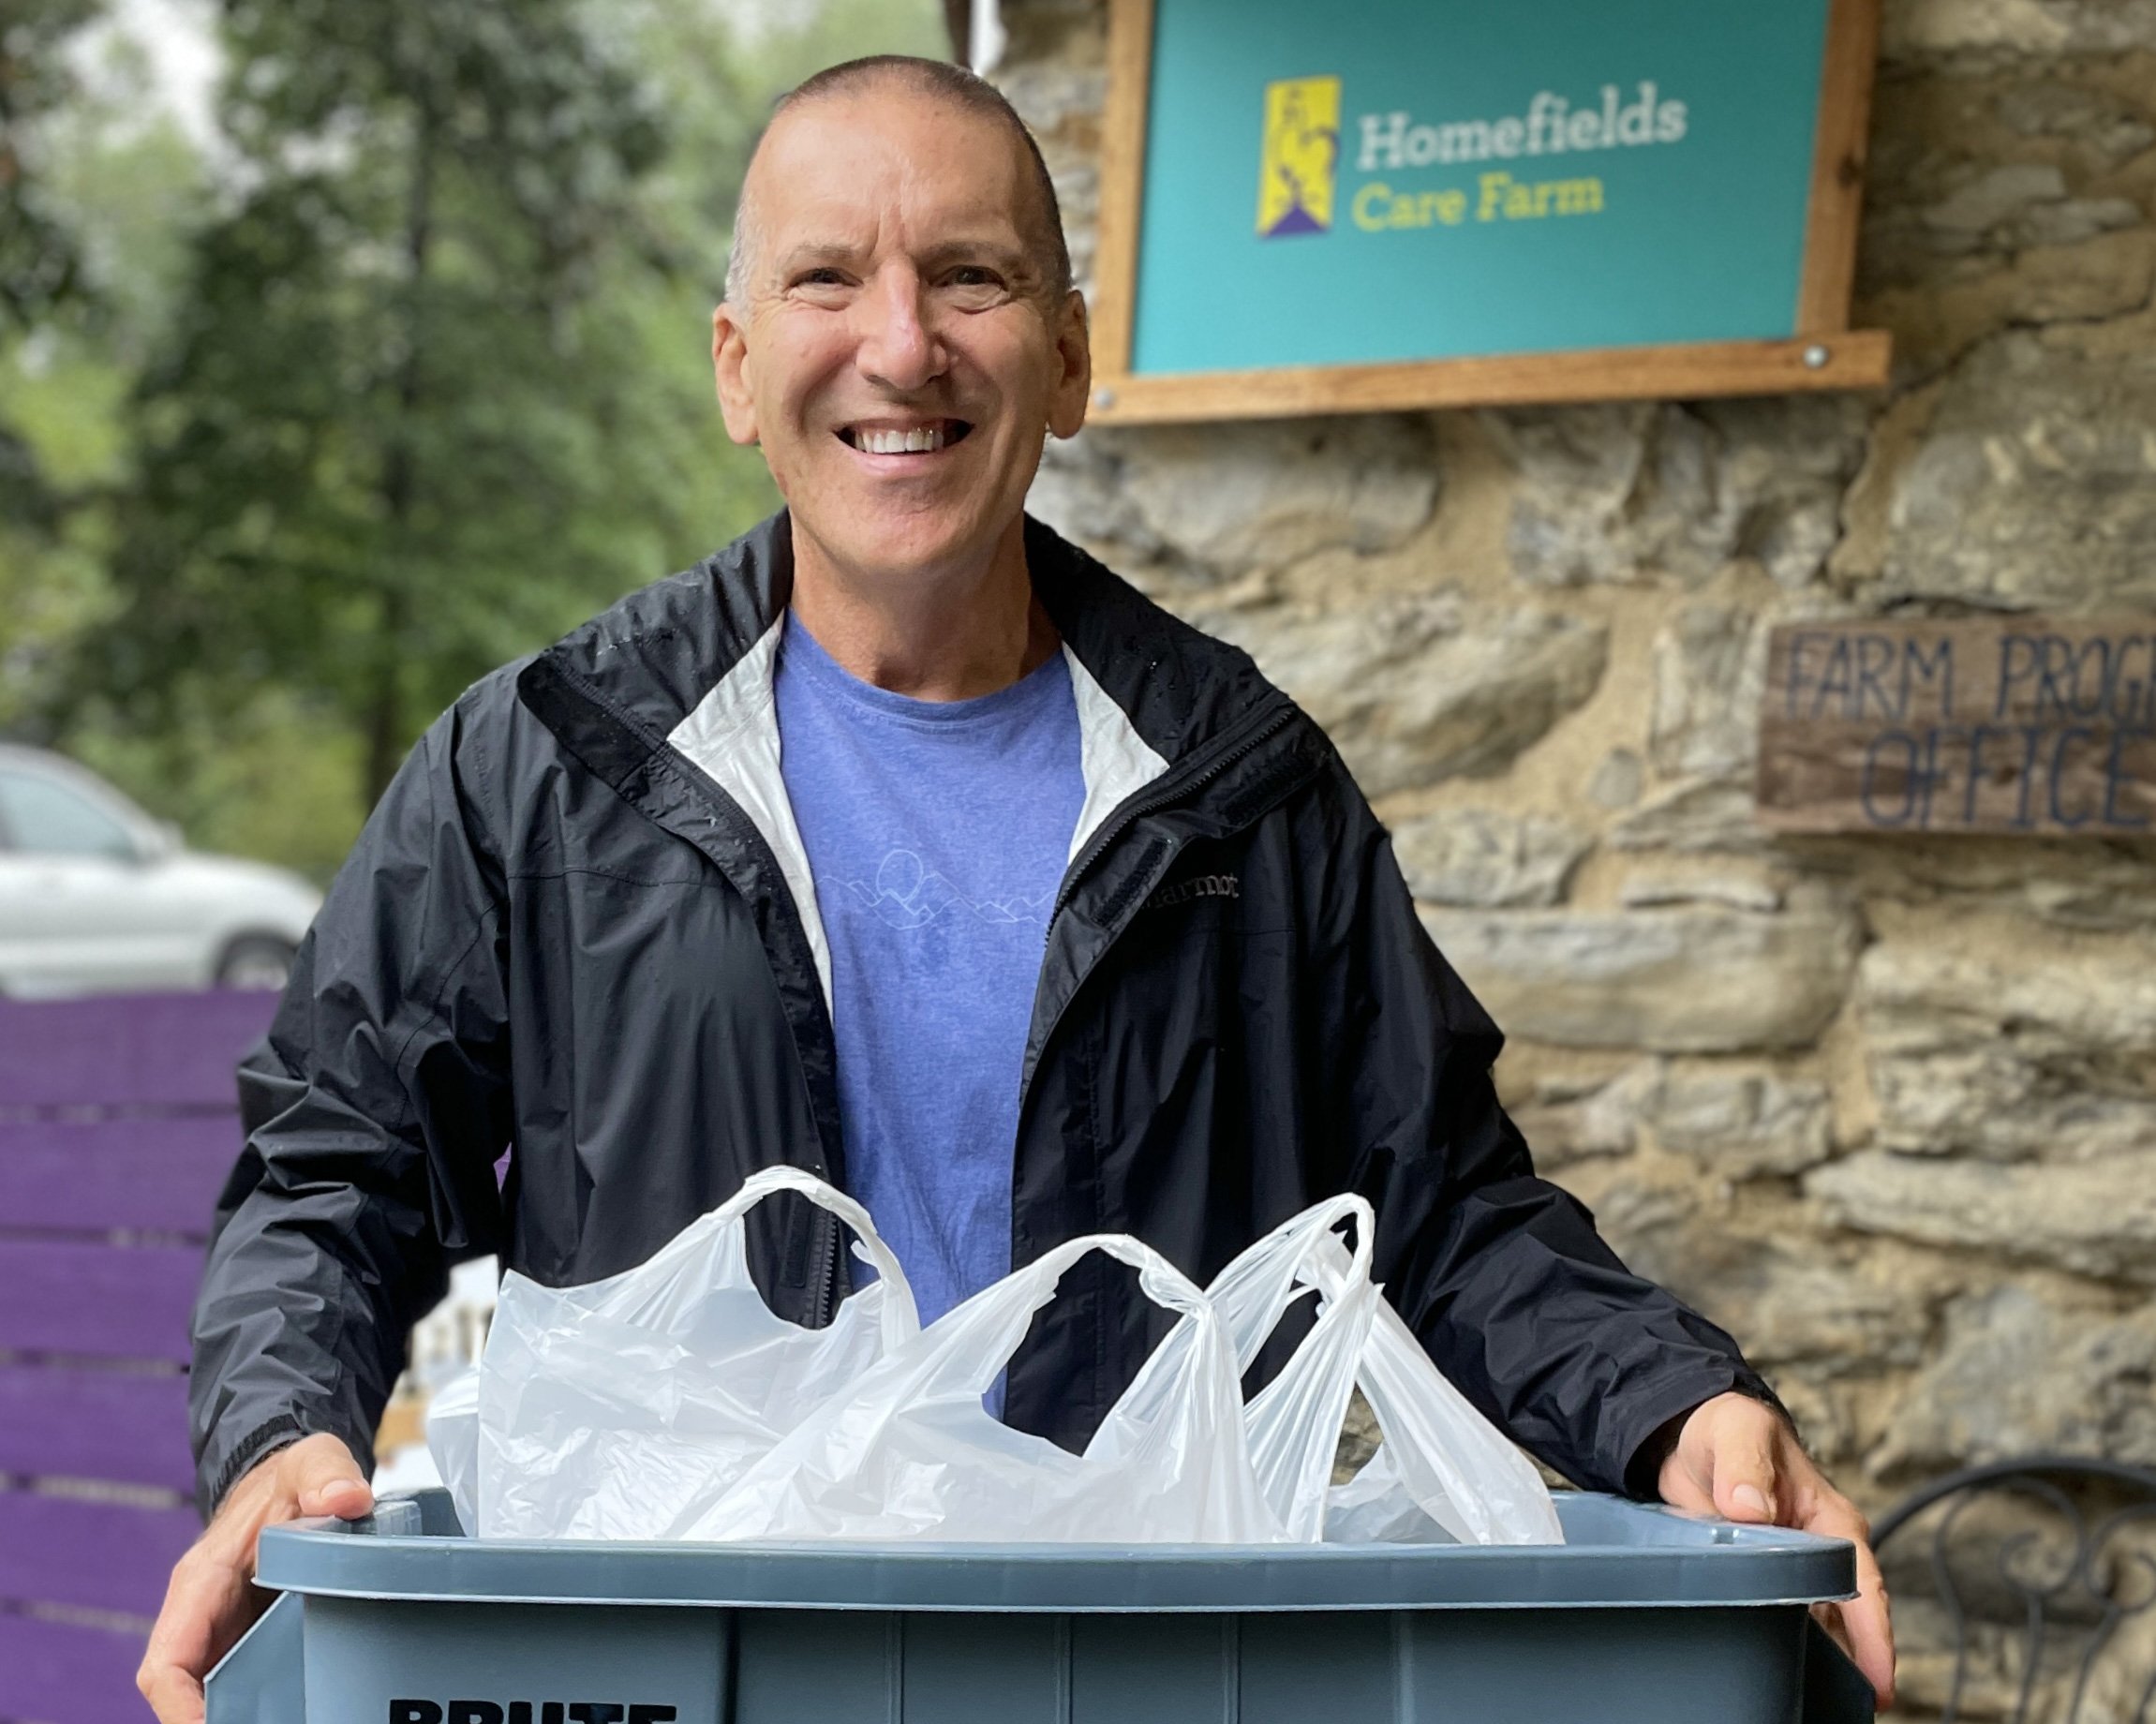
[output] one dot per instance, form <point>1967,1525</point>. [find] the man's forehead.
<point>845,165</point>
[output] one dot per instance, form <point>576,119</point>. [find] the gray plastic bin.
<point>1643,1618</point>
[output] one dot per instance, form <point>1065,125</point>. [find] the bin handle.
<point>1835,1691</point>
<point>262,1680</point>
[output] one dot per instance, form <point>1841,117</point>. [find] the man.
<point>1050,917</point>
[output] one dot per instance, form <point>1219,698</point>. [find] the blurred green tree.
<point>398,431</point>
<point>40,263</point>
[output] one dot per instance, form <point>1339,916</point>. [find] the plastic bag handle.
<point>1027,1290</point>
<point>1250,1325</point>
<point>902,1319</point>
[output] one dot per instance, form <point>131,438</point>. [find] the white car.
<point>96,897</point>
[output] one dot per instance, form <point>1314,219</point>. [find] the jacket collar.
<point>659,652</point>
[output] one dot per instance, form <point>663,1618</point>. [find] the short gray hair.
<point>939,79</point>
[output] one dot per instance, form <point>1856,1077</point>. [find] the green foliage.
<point>407,378</point>
<point>40,265</point>
<point>120,180</point>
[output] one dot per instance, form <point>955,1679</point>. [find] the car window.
<point>43,817</point>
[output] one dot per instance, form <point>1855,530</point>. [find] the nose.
<point>900,350</point>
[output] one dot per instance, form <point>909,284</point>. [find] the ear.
<point>1072,391</point>
<point>730,372</point>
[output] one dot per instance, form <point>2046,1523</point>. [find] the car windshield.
<point>44,817</point>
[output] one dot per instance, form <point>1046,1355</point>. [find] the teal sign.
<point>1372,181</point>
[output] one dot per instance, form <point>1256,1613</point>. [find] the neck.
<point>943,633</point>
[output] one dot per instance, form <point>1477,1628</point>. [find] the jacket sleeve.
<point>1501,1274</point>
<point>375,1111</point>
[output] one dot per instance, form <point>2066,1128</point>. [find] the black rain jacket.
<point>575,924</point>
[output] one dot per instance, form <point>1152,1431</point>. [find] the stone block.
<point>1690,980</point>
<point>2094,120</point>
<point>1618,781</point>
<point>1995,196</point>
<point>2016,1374</point>
<point>1710,674</point>
<point>1797,1302</point>
<point>1934,323</point>
<point>1925,28</point>
<point>1220,500</point>
<point>1637,492</point>
<point>2010,1057</point>
<point>1415,690</point>
<point>1735,891</point>
<point>1568,1120</point>
<point>1703,814</point>
<point>1743,1125</point>
<point>2036,484</point>
<point>2091,1217</point>
<point>1487,860</point>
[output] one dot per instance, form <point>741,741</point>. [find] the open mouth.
<point>924,438</point>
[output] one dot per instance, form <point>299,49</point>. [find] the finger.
<point>1745,1472</point>
<point>325,1480</point>
<point>1868,1619</point>
<point>175,1696</point>
<point>1828,1616</point>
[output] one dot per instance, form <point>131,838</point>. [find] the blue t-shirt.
<point>938,832</point>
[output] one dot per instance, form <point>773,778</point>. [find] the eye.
<point>824,276</point>
<point>973,286</point>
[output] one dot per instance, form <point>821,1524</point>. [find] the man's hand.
<point>212,1599</point>
<point>1737,1458</point>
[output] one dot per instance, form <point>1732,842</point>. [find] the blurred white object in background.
<point>96,897</point>
<point>988,36</point>
<point>445,1342</point>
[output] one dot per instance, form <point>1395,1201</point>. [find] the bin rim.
<point>1624,1555</point>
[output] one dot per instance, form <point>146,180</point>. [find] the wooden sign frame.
<point>1824,353</point>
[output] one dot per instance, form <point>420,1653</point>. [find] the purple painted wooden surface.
<point>158,1172</point>
<point>134,1050</point>
<point>120,1427</point>
<point>67,1675</point>
<point>103,1302</point>
<point>95,1556</point>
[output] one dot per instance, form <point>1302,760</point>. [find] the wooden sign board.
<point>1399,204</point>
<point>1994,725</point>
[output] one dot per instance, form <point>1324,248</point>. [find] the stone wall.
<point>1886,1108</point>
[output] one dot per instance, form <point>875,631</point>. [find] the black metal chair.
<point>2034,1566</point>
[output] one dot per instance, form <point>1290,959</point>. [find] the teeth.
<point>921,439</point>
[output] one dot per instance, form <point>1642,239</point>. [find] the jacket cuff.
<point>264,1440</point>
<point>1652,1430</point>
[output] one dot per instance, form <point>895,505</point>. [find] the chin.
<point>904,539</point>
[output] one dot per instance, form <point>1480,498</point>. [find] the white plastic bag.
<point>912,1453</point>
<point>625,1408</point>
<point>1444,1474</point>
<point>453,1441</point>
<point>1441,1456</point>
<point>1293,1425</point>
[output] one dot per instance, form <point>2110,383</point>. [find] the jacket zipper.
<point>827,1276</point>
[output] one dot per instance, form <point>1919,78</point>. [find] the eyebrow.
<point>1014,259</point>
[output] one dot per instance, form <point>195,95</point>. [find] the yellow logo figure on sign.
<point>1301,153</point>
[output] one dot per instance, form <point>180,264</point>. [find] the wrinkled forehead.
<point>886,168</point>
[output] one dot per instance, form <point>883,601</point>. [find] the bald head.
<point>931,80</point>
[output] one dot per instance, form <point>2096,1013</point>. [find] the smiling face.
<point>899,352</point>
